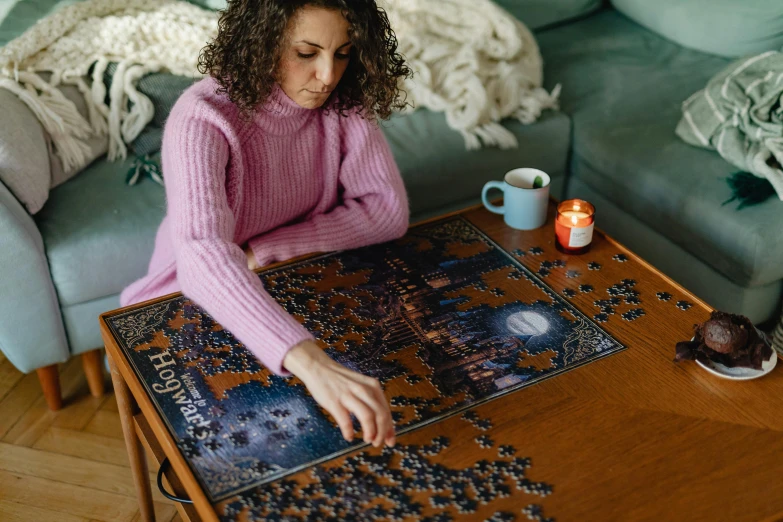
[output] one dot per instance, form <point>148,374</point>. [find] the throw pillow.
<point>24,163</point>
<point>727,28</point>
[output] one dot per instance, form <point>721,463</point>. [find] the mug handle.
<point>500,185</point>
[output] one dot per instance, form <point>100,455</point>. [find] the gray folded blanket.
<point>740,114</point>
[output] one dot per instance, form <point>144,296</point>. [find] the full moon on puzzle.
<point>527,323</point>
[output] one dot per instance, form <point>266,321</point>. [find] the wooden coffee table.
<point>629,436</point>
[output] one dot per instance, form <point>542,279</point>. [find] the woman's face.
<point>315,55</point>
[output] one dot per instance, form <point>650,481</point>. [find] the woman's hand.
<point>341,392</point>
<point>252,264</point>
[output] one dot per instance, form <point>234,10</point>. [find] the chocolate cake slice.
<point>728,339</point>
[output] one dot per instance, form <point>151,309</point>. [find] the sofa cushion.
<point>623,86</point>
<point>724,27</point>
<point>99,233</point>
<point>538,14</point>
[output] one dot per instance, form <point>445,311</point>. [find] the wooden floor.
<point>69,465</point>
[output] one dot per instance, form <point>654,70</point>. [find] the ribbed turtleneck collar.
<point>280,115</point>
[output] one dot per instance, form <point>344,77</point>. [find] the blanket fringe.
<point>68,129</point>
<point>496,135</point>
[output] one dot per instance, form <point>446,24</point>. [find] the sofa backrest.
<point>540,14</point>
<point>727,28</point>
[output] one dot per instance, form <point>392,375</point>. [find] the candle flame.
<point>573,220</point>
<point>577,207</point>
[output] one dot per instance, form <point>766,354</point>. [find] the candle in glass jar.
<point>574,226</point>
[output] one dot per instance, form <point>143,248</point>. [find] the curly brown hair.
<point>244,56</point>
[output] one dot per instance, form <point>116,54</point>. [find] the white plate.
<point>739,373</point>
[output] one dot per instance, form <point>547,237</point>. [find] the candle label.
<point>581,236</point>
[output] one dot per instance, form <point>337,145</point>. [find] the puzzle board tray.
<point>443,317</point>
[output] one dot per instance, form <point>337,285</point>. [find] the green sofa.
<point>612,143</point>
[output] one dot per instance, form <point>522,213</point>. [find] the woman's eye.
<point>302,55</point>
<point>340,56</point>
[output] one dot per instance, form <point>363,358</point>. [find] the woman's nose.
<point>325,71</point>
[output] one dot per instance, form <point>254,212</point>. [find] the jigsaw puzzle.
<point>443,317</point>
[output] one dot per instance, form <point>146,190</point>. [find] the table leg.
<point>138,462</point>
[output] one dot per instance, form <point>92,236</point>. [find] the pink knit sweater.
<point>290,182</point>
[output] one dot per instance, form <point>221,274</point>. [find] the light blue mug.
<point>524,207</point>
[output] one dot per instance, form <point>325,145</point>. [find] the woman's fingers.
<point>391,437</point>
<point>372,396</point>
<point>343,419</point>
<point>346,392</point>
<point>251,259</point>
<point>385,422</point>
<point>365,415</point>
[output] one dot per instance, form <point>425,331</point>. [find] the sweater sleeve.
<point>211,267</point>
<point>374,207</point>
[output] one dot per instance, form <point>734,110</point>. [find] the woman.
<point>278,151</point>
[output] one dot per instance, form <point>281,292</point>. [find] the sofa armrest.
<point>31,331</point>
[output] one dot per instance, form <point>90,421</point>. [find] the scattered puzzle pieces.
<point>348,488</point>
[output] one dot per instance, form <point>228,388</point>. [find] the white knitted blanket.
<point>471,59</point>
